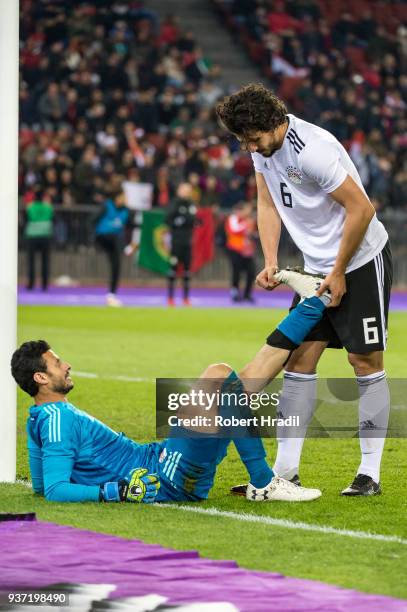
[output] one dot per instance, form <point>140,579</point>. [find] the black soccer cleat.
<point>241,489</point>
<point>362,485</point>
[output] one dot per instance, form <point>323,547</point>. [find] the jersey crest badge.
<point>162,456</point>
<point>294,175</point>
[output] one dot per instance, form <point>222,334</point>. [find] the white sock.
<point>298,398</point>
<point>374,410</point>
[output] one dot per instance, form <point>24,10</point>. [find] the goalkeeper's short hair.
<point>26,361</point>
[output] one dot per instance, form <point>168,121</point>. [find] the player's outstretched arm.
<point>58,450</point>
<point>269,225</point>
<point>58,458</point>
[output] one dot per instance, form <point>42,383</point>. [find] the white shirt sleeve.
<point>321,161</point>
<point>257,163</point>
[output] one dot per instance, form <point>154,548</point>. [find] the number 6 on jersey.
<point>286,195</point>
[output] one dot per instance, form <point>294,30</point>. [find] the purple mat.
<point>156,296</point>
<point>38,554</point>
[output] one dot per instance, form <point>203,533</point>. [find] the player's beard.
<point>63,386</point>
<point>64,389</point>
<point>270,151</point>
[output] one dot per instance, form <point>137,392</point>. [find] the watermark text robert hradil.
<point>222,421</point>
<point>209,401</point>
<point>225,409</point>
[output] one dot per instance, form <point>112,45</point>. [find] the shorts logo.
<point>294,175</point>
<point>163,455</point>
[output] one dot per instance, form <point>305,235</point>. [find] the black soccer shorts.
<point>181,253</point>
<point>359,323</point>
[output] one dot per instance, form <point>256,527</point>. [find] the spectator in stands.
<point>91,68</point>
<point>194,179</point>
<point>164,190</point>
<point>341,70</point>
<point>211,195</point>
<point>52,105</point>
<point>209,93</point>
<point>84,174</point>
<point>38,234</point>
<point>233,194</point>
<point>399,189</point>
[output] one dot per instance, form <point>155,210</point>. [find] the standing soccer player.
<point>306,179</point>
<point>181,219</point>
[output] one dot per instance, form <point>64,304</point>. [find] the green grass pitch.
<point>150,343</point>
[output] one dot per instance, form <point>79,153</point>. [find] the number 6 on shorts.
<point>371,332</point>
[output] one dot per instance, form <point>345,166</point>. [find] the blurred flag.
<point>155,242</point>
<point>154,252</point>
<point>203,239</point>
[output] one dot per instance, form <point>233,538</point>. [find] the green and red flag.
<point>154,252</point>
<point>155,241</point>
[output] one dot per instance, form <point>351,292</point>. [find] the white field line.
<point>25,483</point>
<point>122,378</point>
<point>274,522</point>
<point>268,520</point>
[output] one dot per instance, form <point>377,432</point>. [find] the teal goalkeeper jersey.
<point>71,453</point>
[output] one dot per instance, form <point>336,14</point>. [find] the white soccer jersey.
<point>300,176</point>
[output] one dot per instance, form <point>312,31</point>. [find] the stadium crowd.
<point>109,93</point>
<point>341,65</point>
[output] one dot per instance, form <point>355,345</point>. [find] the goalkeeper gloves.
<point>142,488</point>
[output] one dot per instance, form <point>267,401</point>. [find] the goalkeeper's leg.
<point>290,333</point>
<point>298,394</point>
<point>270,360</point>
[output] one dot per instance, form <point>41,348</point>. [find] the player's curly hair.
<point>252,109</point>
<point>27,360</point>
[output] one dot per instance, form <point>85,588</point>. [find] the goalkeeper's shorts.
<point>187,467</point>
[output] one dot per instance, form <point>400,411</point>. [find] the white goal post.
<point>9,45</point>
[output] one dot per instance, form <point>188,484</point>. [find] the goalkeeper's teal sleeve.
<point>51,464</point>
<point>35,460</point>
<point>58,488</point>
<point>72,454</point>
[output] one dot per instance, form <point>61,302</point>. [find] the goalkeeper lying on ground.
<point>74,457</point>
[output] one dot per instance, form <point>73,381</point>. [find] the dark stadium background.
<point>126,90</point>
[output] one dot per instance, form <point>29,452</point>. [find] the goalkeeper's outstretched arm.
<point>52,465</point>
